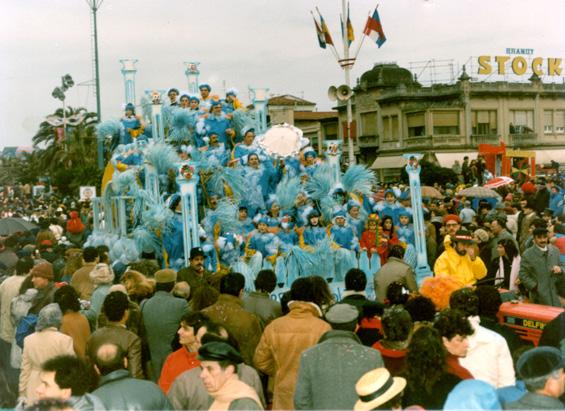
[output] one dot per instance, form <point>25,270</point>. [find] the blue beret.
<point>206,86</point>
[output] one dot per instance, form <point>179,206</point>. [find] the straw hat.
<point>376,388</point>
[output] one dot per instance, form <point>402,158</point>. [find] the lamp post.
<point>259,98</point>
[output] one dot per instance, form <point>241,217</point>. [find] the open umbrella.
<point>13,225</point>
<point>498,182</point>
<point>478,192</point>
<point>430,192</point>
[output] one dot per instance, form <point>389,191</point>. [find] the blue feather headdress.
<point>358,179</point>
<point>232,177</point>
<point>183,124</point>
<point>161,156</point>
<point>243,121</point>
<point>287,191</point>
<point>108,128</point>
<point>321,182</point>
<point>226,214</point>
<point>146,240</point>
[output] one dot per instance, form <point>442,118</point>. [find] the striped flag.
<point>350,33</point>
<point>319,34</point>
<point>326,31</point>
<point>374,29</point>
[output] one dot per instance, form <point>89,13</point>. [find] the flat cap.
<point>219,351</point>
<point>166,276</point>
<point>342,314</point>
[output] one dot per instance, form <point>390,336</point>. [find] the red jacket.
<point>176,363</point>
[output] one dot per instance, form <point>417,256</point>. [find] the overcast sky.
<point>261,43</point>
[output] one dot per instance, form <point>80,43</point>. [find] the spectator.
<point>188,392</point>
<point>45,343</point>
<point>505,269</point>
<point>427,380</point>
<point>540,270</point>
<point>454,329</point>
<point>116,309</point>
<point>378,390</point>
<point>73,324</point>
<point>319,387</point>
<point>219,362</point>
<point>184,358</point>
<point>284,340</point>
<point>259,302</point>
<point>394,270</point>
<point>81,278</point>
<point>472,395</point>
<point>529,215</point>
<point>102,277</point>
<point>195,274</point>
<point>228,311</point>
<point>118,390</point>
<point>161,317</point>
<point>488,358</point>
<point>134,321</point>
<point>542,371</point>
<point>42,279</point>
<point>66,377</point>
<point>467,214</point>
<point>397,328</point>
<point>459,260</point>
<point>137,285</point>
<point>421,309</point>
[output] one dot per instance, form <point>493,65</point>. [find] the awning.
<point>545,156</point>
<point>388,162</point>
<point>448,159</point>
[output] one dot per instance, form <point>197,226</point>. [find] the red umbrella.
<point>498,182</point>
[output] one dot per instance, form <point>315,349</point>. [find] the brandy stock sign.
<point>520,62</point>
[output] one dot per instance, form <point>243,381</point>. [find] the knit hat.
<point>102,274</point>
<point>43,270</point>
<point>481,234</point>
<point>342,314</point>
<point>165,276</point>
<point>528,188</point>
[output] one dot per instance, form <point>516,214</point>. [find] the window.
<point>390,128</point>
<point>446,122</point>
<point>484,122</point>
<point>369,123</point>
<point>521,121</point>
<point>416,124</point>
<point>548,121</point>
<point>560,121</point>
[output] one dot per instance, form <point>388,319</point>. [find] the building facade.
<point>394,114</point>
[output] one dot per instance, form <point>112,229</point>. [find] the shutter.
<point>415,120</point>
<point>447,118</point>
<point>482,116</point>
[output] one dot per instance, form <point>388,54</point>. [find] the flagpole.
<point>332,46</point>
<point>347,70</point>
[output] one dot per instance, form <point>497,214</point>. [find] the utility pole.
<point>94,6</point>
<point>347,69</point>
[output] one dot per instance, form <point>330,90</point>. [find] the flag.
<point>350,33</point>
<point>326,31</point>
<point>374,30</point>
<point>320,34</point>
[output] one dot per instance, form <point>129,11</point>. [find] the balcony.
<point>523,139</point>
<point>448,141</point>
<point>368,141</point>
<point>418,142</point>
<point>477,139</point>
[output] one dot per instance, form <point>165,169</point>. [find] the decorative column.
<point>96,213</point>
<point>152,181</point>
<point>122,215</point>
<point>187,184</point>
<point>192,74</point>
<point>259,98</point>
<point>413,169</point>
<point>157,117</point>
<point>333,154</point>
<point>128,71</point>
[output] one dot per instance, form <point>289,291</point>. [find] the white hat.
<point>376,387</point>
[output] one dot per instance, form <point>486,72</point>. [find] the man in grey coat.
<point>541,369</point>
<point>329,371</point>
<point>394,270</point>
<point>161,317</point>
<point>500,231</point>
<point>540,270</point>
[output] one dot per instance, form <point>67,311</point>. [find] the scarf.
<point>232,390</point>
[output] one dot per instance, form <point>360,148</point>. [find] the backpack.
<point>25,327</point>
